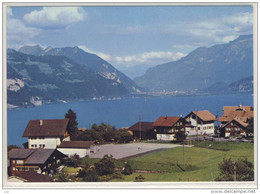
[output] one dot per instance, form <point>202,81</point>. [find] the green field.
<point>201,164</point>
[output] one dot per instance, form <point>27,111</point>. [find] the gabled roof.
<point>165,121</point>
<point>40,156</point>
<point>49,128</point>
<point>242,112</point>
<point>243,124</point>
<point>76,144</point>
<point>204,115</point>
<point>33,156</point>
<point>20,153</point>
<point>144,126</point>
<point>32,176</point>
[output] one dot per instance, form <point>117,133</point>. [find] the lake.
<point>119,113</point>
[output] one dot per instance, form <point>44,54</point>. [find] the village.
<point>58,151</point>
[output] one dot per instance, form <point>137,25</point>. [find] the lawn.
<point>201,164</point>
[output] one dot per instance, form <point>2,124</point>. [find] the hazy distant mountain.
<point>203,67</point>
<point>134,71</point>
<point>94,62</point>
<point>38,79</point>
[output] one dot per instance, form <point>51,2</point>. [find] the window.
<point>14,169</point>
<point>32,145</point>
<point>13,161</point>
<point>19,161</point>
<point>43,145</point>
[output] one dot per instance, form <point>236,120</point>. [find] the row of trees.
<point>101,133</point>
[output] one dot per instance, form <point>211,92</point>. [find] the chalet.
<point>237,120</point>
<point>46,133</point>
<point>244,113</point>
<point>143,130</point>
<point>234,128</point>
<point>38,160</point>
<point>167,127</point>
<point>29,176</point>
<point>81,148</point>
<point>200,122</point>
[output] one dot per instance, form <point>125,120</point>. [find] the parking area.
<point>120,151</point>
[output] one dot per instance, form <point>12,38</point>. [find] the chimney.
<point>41,122</point>
<point>166,117</point>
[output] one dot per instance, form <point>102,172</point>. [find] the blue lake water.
<point>119,113</point>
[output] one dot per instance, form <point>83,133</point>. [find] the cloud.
<point>18,33</point>
<point>149,58</point>
<point>55,17</point>
<point>104,56</point>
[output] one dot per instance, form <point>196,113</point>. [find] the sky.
<point>128,36</point>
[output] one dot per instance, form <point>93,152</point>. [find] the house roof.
<point>20,153</point>
<point>165,121</point>
<point>240,122</point>
<point>242,112</point>
<point>49,128</point>
<point>144,126</point>
<point>40,156</point>
<point>205,115</point>
<point>32,176</point>
<point>76,144</point>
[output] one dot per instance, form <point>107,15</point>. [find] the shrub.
<point>105,166</point>
<point>139,178</point>
<point>127,170</point>
<point>241,170</point>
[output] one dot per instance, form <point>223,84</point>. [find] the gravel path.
<point>120,151</point>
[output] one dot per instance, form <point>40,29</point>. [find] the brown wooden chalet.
<point>166,127</point>
<point>38,160</point>
<point>234,128</point>
<point>143,129</point>
<point>237,120</point>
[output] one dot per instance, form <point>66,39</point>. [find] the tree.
<point>180,136</point>
<point>123,136</point>
<point>11,147</point>
<point>91,176</point>
<point>105,166</point>
<point>236,170</point>
<point>73,124</point>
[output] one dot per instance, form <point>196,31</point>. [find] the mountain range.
<point>36,76</point>
<point>203,68</point>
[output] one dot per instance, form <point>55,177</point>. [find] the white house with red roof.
<point>200,122</point>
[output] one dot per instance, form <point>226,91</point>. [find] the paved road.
<point>119,151</point>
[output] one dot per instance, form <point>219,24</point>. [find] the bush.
<point>127,170</point>
<point>241,170</point>
<point>139,178</point>
<point>91,176</point>
<point>105,166</point>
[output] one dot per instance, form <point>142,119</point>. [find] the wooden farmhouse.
<point>167,127</point>
<point>37,160</point>
<point>237,121</point>
<point>200,122</point>
<point>143,130</point>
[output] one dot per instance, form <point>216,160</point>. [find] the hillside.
<point>203,67</point>
<point>33,80</point>
<point>92,61</point>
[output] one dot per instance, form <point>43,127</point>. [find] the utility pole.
<point>235,171</point>
<point>140,130</point>
<point>183,154</point>
<point>196,111</point>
